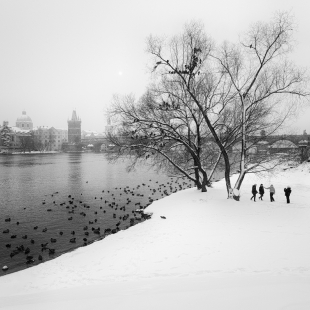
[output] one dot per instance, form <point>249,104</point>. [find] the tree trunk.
<point>198,184</point>
<point>240,180</point>
<point>227,171</point>
<point>243,148</point>
<point>215,166</point>
<point>203,187</point>
<point>204,181</point>
<point>221,147</point>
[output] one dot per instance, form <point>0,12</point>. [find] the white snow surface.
<point>209,253</point>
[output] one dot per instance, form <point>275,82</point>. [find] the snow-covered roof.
<point>19,130</point>
<point>41,127</point>
<point>89,132</point>
<point>62,129</point>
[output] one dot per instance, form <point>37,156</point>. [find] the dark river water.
<point>53,203</point>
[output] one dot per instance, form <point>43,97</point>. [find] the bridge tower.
<point>74,129</point>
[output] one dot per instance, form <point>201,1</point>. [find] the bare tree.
<point>51,139</point>
<point>25,142</point>
<point>240,89</point>
<point>185,60</point>
<point>38,140</point>
<point>264,80</point>
<point>166,128</point>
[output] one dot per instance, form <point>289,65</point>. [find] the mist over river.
<point>53,203</point>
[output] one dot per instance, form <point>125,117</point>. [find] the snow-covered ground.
<point>209,253</point>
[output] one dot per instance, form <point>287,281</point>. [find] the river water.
<point>61,201</point>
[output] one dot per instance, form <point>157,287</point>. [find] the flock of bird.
<point>123,206</point>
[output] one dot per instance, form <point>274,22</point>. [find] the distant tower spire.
<point>74,116</point>
<point>74,129</point>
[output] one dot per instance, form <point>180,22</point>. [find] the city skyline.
<point>59,56</point>
<point>20,117</point>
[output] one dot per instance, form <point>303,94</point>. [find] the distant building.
<point>14,138</point>
<point>24,137</point>
<point>90,134</point>
<point>50,138</point>
<point>112,126</point>
<point>93,140</point>
<point>108,123</point>
<point>24,122</point>
<point>59,137</point>
<point>74,129</point>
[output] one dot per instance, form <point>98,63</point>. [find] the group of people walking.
<point>261,191</point>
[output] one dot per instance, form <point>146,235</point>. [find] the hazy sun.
<point>120,73</point>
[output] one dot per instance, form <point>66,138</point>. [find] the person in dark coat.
<point>261,191</point>
<point>287,192</point>
<point>254,192</point>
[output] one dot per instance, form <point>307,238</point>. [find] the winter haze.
<point>57,56</point>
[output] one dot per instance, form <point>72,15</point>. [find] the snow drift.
<point>209,253</point>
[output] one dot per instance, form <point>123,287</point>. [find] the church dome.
<point>24,118</point>
<point>24,121</point>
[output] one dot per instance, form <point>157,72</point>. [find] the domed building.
<point>24,122</point>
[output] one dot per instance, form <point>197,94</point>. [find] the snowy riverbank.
<point>209,253</point>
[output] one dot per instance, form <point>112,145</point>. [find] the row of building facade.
<point>25,137</point>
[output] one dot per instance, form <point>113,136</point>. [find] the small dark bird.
<point>163,217</point>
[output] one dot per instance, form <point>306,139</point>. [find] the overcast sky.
<point>56,56</point>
